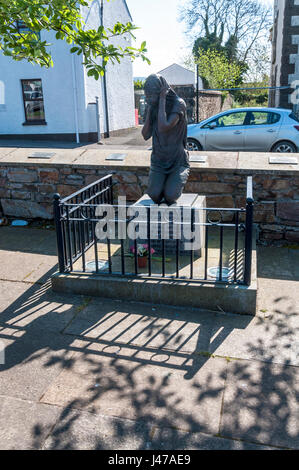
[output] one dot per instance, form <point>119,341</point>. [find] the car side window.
<point>231,119</point>
<point>257,118</point>
<point>206,126</point>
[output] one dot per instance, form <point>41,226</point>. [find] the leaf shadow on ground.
<point>139,381</point>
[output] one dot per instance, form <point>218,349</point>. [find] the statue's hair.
<point>154,83</point>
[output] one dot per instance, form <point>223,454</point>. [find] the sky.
<point>163,33</point>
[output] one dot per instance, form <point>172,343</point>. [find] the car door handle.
<point>270,130</point>
<point>238,132</point>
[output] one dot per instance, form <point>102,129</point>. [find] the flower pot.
<point>142,261</point>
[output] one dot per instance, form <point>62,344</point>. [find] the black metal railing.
<point>76,221</point>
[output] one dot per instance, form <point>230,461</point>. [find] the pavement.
<point>89,373</point>
<point>130,138</point>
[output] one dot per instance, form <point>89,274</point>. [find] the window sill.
<point>35,123</point>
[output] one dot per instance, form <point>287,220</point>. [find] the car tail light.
<point>297,127</point>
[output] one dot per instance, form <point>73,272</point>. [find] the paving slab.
<point>24,425</point>
<point>97,157</point>
<point>24,306</point>
<point>261,404</point>
<point>259,162</point>
<point>32,361</point>
<point>62,157</point>
<point>10,292</point>
<point>142,391</point>
<point>29,267</point>
<point>6,151</point>
<point>79,430</point>
<point>278,263</point>
<point>271,337</point>
<point>28,240</point>
<point>27,254</point>
<point>144,326</point>
<point>172,439</point>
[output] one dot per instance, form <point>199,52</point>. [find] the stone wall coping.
<point>226,162</point>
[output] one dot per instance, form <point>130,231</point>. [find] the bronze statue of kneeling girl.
<point>166,123</point>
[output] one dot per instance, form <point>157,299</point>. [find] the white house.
<point>56,104</point>
<point>176,75</point>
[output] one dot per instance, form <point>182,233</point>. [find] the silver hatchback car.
<point>247,129</point>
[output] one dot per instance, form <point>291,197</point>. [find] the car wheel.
<point>284,147</point>
<point>193,145</point>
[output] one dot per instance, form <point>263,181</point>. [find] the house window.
<point>33,102</point>
<point>22,28</point>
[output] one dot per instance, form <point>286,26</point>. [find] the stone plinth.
<point>172,223</point>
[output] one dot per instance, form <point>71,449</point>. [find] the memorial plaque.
<point>283,160</point>
<point>198,158</point>
<point>116,156</point>
<point>43,155</point>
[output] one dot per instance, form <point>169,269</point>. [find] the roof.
<point>175,74</point>
<point>127,8</point>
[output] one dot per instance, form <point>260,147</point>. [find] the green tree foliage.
<point>217,70</point>
<point>212,42</point>
<point>139,84</point>
<point>248,98</point>
<point>64,18</point>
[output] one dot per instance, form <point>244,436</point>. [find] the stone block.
<point>271,236</point>
<point>22,176</point>
<point>49,176</point>
<point>89,179</point>
<point>132,191</point>
<point>6,193</point>
<point>26,209</point>
<point>66,189</point>
<point>75,179</point>
<point>47,188</point>
<point>25,195</point>
<point>209,188</point>
<point>292,236</point>
<point>126,177</point>
<point>220,201</point>
<point>278,184</point>
<point>288,210</point>
<point>209,177</point>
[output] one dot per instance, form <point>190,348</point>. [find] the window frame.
<point>206,126</point>
<point>32,122</point>
<point>247,123</point>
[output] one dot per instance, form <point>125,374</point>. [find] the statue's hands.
<point>164,91</point>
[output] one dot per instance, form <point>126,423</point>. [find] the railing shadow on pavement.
<point>158,392</point>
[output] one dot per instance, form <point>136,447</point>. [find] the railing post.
<point>57,218</point>
<point>248,232</point>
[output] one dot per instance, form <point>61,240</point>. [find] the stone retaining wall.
<point>27,188</point>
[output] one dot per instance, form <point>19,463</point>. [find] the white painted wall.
<point>57,84</point>
<point>119,77</point>
<point>57,89</point>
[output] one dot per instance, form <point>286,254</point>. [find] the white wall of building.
<point>57,89</point>
<point>58,85</point>
<point>119,77</point>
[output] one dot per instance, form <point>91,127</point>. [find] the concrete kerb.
<point>217,297</point>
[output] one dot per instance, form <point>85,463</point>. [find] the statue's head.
<point>152,89</point>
